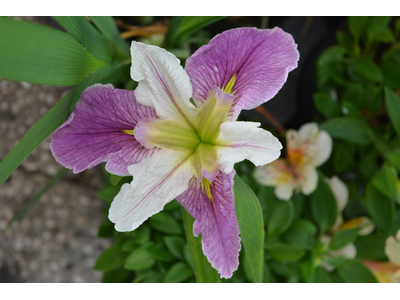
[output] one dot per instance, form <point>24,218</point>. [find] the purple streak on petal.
<point>94,133</point>
<point>216,221</point>
<point>261,59</point>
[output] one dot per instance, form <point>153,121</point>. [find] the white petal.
<point>392,250</point>
<point>306,132</point>
<point>310,181</point>
<point>272,174</point>
<point>163,83</point>
<point>156,181</point>
<point>284,191</point>
<point>244,140</point>
<point>323,146</point>
<point>340,192</point>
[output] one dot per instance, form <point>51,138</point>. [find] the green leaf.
<point>203,271</point>
<point>327,62</point>
<point>139,259</point>
<point>281,218</point>
<point>56,116</point>
<point>394,158</point>
<point>353,130</point>
<point>251,224</point>
<point>115,276</point>
<point>163,222</point>
<point>108,193</point>
<point>191,24</point>
<point>380,207</point>
<point>268,276</point>
<point>392,101</point>
<point>326,105</point>
<point>172,33</point>
<point>321,276</point>
<point>106,229</point>
<point>352,271</point>
<point>378,29</point>
<point>391,75</point>
<point>343,156</point>
<point>42,55</point>
<point>88,36</point>
<point>367,69</point>
<point>110,259</point>
<point>175,245</point>
<point>179,272</point>
<point>343,238</point>
<point>354,93</point>
<point>285,252</point>
<point>160,252</point>
<point>357,26</point>
<point>114,179</point>
<point>385,181</point>
<point>109,29</point>
<point>371,247</point>
<point>323,205</point>
<point>300,234</point>
<point>372,98</point>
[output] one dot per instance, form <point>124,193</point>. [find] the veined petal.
<point>260,58</point>
<point>244,140</point>
<point>216,221</point>
<point>96,131</point>
<point>163,84</point>
<point>156,181</point>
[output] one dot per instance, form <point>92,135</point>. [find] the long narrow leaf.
<point>107,26</point>
<point>42,55</point>
<point>251,224</point>
<point>203,271</point>
<point>55,117</point>
<point>192,24</point>
<point>393,107</point>
<point>88,36</point>
<point>36,198</point>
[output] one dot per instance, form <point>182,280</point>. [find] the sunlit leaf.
<point>251,224</point>
<point>203,271</point>
<point>42,55</point>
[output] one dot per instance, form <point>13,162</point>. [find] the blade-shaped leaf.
<point>202,268</point>
<point>393,108</point>
<point>251,224</point>
<point>353,130</point>
<point>88,36</point>
<point>56,116</point>
<point>107,26</point>
<point>323,205</point>
<point>191,24</point>
<point>42,55</point>
<point>353,271</point>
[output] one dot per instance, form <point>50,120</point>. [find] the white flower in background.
<point>307,149</point>
<point>386,272</point>
<point>341,193</point>
<point>330,256</point>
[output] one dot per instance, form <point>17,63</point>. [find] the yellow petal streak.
<point>229,86</point>
<point>206,186</point>
<point>205,161</point>
<point>128,131</point>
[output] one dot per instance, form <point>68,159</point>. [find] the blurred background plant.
<point>324,236</point>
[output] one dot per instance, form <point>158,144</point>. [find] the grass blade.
<point>42,55</point>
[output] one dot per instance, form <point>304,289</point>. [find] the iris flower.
<point>175,149</point>
<point>307,149</point>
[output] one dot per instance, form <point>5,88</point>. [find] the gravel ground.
<point>55,241</point>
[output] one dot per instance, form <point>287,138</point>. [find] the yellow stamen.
<point>128,131</point>
<point>229,86</point>
<point>205,185</point>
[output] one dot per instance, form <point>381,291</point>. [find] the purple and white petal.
<point>94,131</point>
<point>216,221</point>
<point>156,181</point>
<point>244,140</point>
<point>260,58</point>
<point>163,83</point>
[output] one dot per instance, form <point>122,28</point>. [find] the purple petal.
<point>94,133</point>
<point>261,60</point>
<point>216,221</point>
